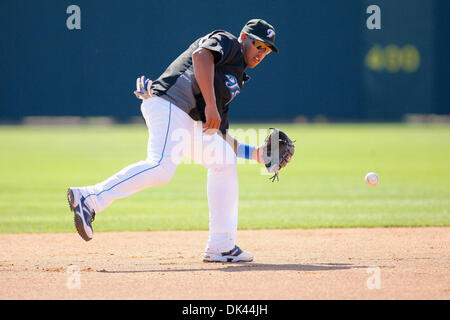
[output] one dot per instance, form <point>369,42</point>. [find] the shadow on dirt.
<point>242,266</point>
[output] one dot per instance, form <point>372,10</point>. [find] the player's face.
<point>254,51</point>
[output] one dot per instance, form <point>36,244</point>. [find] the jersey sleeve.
<point>221,46</point>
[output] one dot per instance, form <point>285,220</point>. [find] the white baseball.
<point>371,179</point>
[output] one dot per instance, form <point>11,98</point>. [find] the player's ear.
<point>243,36</point>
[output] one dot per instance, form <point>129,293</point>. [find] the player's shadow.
<point>242,266</point>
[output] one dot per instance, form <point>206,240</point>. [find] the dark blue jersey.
<point>178,84</point>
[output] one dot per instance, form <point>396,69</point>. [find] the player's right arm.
<point>203,62</point>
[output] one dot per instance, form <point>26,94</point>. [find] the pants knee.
<point>162,172</point>
<point>229,169</point>
<point>166,170</point>
<point>223,161</point>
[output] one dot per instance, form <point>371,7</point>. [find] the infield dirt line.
<point>372,263</point>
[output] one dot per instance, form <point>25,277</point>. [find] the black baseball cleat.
<point>234,255</point>
<point>83,216</point>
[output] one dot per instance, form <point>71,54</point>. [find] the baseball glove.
<point>278,152</point>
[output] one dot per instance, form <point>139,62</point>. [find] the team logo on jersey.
<point>232,85</point>
<point>270,33</point>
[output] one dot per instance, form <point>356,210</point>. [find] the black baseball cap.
<point>262,31</point>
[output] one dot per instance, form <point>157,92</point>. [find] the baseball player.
<point>186,112</point>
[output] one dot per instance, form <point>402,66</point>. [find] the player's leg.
<point>157,169</point>
<point>162,119</point>
<point>223,197</point>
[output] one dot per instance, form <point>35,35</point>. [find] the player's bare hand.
<point>143,86</point>
<point>259,155</point>
<point>213,120</point>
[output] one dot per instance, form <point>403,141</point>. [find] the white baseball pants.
<point>173,135</point>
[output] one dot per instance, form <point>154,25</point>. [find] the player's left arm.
<point>243,150</point>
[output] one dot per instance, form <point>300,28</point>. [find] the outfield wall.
<point>330,63</point>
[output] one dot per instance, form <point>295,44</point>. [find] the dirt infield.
<point>385,263</point>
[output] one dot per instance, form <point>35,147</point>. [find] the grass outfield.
<point>323,186</point>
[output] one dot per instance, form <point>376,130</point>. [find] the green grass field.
<point>323,186</point>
